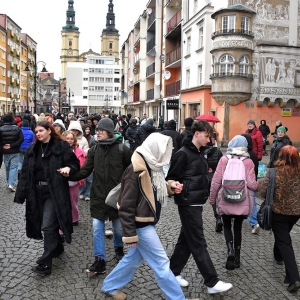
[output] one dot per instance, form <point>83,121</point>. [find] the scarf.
<point>157,151</point>
<point>240,151</point>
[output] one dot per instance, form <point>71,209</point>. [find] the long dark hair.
<point>47,125</point>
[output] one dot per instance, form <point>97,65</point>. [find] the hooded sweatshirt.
<point>81,140</point>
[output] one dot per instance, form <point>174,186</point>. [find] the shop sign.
<point>173,104</point>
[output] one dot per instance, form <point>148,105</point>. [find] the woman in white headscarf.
<point>143,192</point>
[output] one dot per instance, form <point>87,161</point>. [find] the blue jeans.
<point>21,158</point>
<point>11,162</point>
<point>85,190</point>
<point>99,237</point>
<point>253,218</point>
<point>150,249</point>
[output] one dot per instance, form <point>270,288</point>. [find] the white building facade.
<point>94,86</point>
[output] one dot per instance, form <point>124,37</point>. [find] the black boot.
<point>230,258</point>
<point>219,224</point>
<point>237,259</point>
<point>99,266</point>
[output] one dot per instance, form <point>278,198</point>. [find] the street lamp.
<point>59,91</point>
<point>35,63</point>
<point>13,104</point>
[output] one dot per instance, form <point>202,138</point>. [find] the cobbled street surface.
<point>258,278</point>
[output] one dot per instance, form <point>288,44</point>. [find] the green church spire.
<point>70,22</point>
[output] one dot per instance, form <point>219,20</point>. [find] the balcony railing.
<point>136,98</point>
<point>150,94</point>
<point>174,21</point>
<point>150,69</point>
<point>151,18</point>
<point>231,31</point>
<point>173,88</point>
<point>173,55</point>
<point>151,44</point>
<point>228,74</point>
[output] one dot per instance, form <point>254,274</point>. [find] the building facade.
<point>94,86</point>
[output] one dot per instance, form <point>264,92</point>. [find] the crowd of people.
<point>53,161</point>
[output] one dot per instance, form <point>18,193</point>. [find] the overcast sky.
<point>42,20</point>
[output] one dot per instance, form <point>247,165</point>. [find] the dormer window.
<point>228,23</point>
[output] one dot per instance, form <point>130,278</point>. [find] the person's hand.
<point>210,170</point>
<point>133,245</point>
<point>6,146</point>
<point>177,186</point>
<point>64,171</point>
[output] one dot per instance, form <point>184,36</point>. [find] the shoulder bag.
<point>264,215</point>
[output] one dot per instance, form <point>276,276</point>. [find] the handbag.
<point>264,215</point>
<point>113,196</point>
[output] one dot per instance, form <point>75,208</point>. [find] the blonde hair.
<point>64,135</point>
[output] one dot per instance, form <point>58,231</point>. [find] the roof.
<point>234,7</point>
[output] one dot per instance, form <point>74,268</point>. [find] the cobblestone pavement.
<point>258,278</point>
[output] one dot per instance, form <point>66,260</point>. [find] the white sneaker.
<point>219,287</point>
<point>182,282</point>
<point>256,229</point>
<point>11,188</point>
<point>87,199</point>
<point>81,197</point>
<point>108,233</point>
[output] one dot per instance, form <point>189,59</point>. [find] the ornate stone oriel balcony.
<point>232,32</point>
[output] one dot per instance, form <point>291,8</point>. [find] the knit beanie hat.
<point>106,124</point>
<point>7,118</point>
<point>281,128</point>
<point>25,123</point>
<point>251,122</point>
<point>238,141</point>
<point>188,122</point>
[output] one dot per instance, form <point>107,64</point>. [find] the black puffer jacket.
<point>130,132</point>
<point>176,137</point>
<point>59,155</point>
<point>11,134</point>
<point>264,128</point>
<point>189,167</point>
<point>276,147</point>
<point>143,132</point>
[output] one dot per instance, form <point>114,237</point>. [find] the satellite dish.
<point>130,79</point>
<point>134,49</point>
<point>135,70</point>
<point>157,83</point>
<point>149,10</point>
<point>167,75</point>
<point>152,52</point>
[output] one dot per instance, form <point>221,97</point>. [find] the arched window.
<point>244,65</point>
<point>226,65</point>
<point>110,45</point>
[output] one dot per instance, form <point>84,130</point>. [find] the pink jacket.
<point>225,208</point>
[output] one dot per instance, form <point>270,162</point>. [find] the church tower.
<point>110,35</point>
<point>70,39</point>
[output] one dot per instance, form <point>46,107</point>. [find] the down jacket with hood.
<point>264,128</point>
<point>81,140</point>
<point>257,141</point>
<point>144,131</point>
<point>175,135</point>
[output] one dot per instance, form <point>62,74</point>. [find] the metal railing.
<point>151,18</point>
<point>150,94</point>
<point>174,21</point>
<point>228,74</point>
<point>173,55</point>
<point>231,31</point>
<point>150,44</point>
<point>150,69</point>
<point>173,88</point>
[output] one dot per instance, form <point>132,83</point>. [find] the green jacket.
<point>108,164</point>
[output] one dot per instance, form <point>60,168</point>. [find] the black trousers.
<point>236,236</point>
<point>283,248</point>
<point>191,240</point>
<point>50,225</point>
<point>214,207</point>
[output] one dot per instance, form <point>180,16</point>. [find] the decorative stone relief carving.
<point>232,85</point>
<point>232,44</point>
<point>279,91</point>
